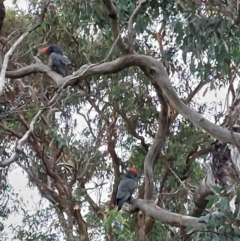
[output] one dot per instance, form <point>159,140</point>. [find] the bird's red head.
<point>133,169</point>
<point>43,50</point>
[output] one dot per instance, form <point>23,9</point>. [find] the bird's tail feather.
<point>121,201</point>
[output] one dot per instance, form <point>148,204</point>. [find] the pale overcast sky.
<point>20,3</point>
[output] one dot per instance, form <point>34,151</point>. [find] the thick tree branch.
<point>6,58</point>
<point>156,147</point>
<point>221,171</point>
<point>190,160</point>
<point>153,69</point>
<point>64,224</point>
<point>82,226</point>
<point>201,192</point>
<point>174,219</point>
<point>38,67</point>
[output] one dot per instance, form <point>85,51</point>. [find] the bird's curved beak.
<point>43,50</point>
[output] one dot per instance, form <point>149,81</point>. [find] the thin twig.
<point>22,141</point>
<point>130,24</point>
<point>184,186</point>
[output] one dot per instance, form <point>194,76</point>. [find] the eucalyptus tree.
<point>134,96</point>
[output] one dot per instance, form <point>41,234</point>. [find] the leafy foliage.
<point>82,144</point>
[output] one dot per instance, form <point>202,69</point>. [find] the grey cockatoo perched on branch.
<point>57,61</point>
<point>126,187</point>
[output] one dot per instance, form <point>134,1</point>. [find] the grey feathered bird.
<point>126,187</point>
<point>57,61</point>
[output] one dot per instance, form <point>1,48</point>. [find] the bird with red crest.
<point>127,187</point>
<point>56,61</point>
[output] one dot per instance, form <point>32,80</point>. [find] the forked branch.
<point>112,13</point>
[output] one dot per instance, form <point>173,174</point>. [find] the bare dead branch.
<point>130,24</point>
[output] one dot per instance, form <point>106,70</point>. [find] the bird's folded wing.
<point>65,60</point>
<point>127,185</point>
